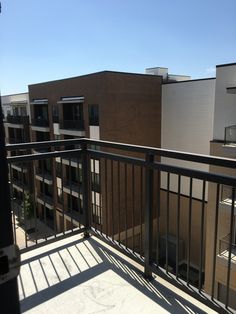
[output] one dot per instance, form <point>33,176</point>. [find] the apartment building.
<point>187,125</point>
<point>223,144</point>
<point>156,109</point>
<point>16,117</point>
<point>113,106</point>
<point>198,116</point>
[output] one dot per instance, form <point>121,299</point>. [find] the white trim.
<point>72,132</point>
<point>14,125</point>
<point>39,128</point>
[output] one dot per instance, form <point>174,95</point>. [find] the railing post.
<point>148,215</point>
<point>85,175</point>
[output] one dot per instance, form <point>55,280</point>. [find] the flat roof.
<point>225,65</point>
<point>98,73</point>
<point>192,80</point>
<point>14,94</point>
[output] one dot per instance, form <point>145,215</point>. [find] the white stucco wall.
<point>94,132</point>
<point>225,104</point>
<point>8,101</point>
<point>187,124</point>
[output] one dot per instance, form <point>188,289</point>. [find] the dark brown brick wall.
<point>129,112</point>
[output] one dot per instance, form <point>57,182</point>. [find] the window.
<point>93,115</point>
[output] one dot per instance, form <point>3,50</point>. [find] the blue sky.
<point>43,40</point>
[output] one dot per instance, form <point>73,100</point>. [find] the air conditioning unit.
<point>172,248</point>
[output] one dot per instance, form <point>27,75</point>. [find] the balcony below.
<point>20,167</point>
<point>77,275</point>
<point>13,140</point>
<point>19,185</point>
<point>223,256</point>
<point>226,199</point>
<point>70,161</point>
<point>17,121</point>
<point>46,200</point>
<point>40,124</point>
<point>44,176</point>
<point>72,127</point>
<point>72,187</point>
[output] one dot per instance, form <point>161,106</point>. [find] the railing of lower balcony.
<point>17,119</point>
<point>151,210</point>
<point>40,121</point>
<point>72,124</point>
<point>11,140</point>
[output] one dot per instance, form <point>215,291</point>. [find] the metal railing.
<point>152,211</point>
<point>40,121</point>
<point>14,140</point>
<point>72,124</point>
<point>17,119</point>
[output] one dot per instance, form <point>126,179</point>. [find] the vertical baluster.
<point>215,241</point>
<point>118,191</point>
<point>178,225</point>
<point>167,220</point>
<point>132,182</point>
<point>112,200</point>
<point>148,214</point>
<point>141,210</point>
<point>63,200</point>
<point>202,235</point>
<point>126,205</point>
<point>189,229</point>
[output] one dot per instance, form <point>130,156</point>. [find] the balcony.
<point>45,200</point>
<point>72,187</point>
<point>14,140</point>
<point>72,127</point>
<point>86,276</point>
<point>226,199</point>
<point>226,250</point>
<point>19,120</point>
<point>72,162</point>
<point>40,124</point>
<point>23,168</point>
<point>19,185</point>
<point>139,214</point>
<point>44,175</point>
<point>43,122</point>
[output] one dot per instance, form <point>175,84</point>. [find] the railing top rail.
<point>38,156</point>
<point>196,174</point>
<point>198,158</point>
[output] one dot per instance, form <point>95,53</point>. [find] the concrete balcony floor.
<point>77,275</point>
